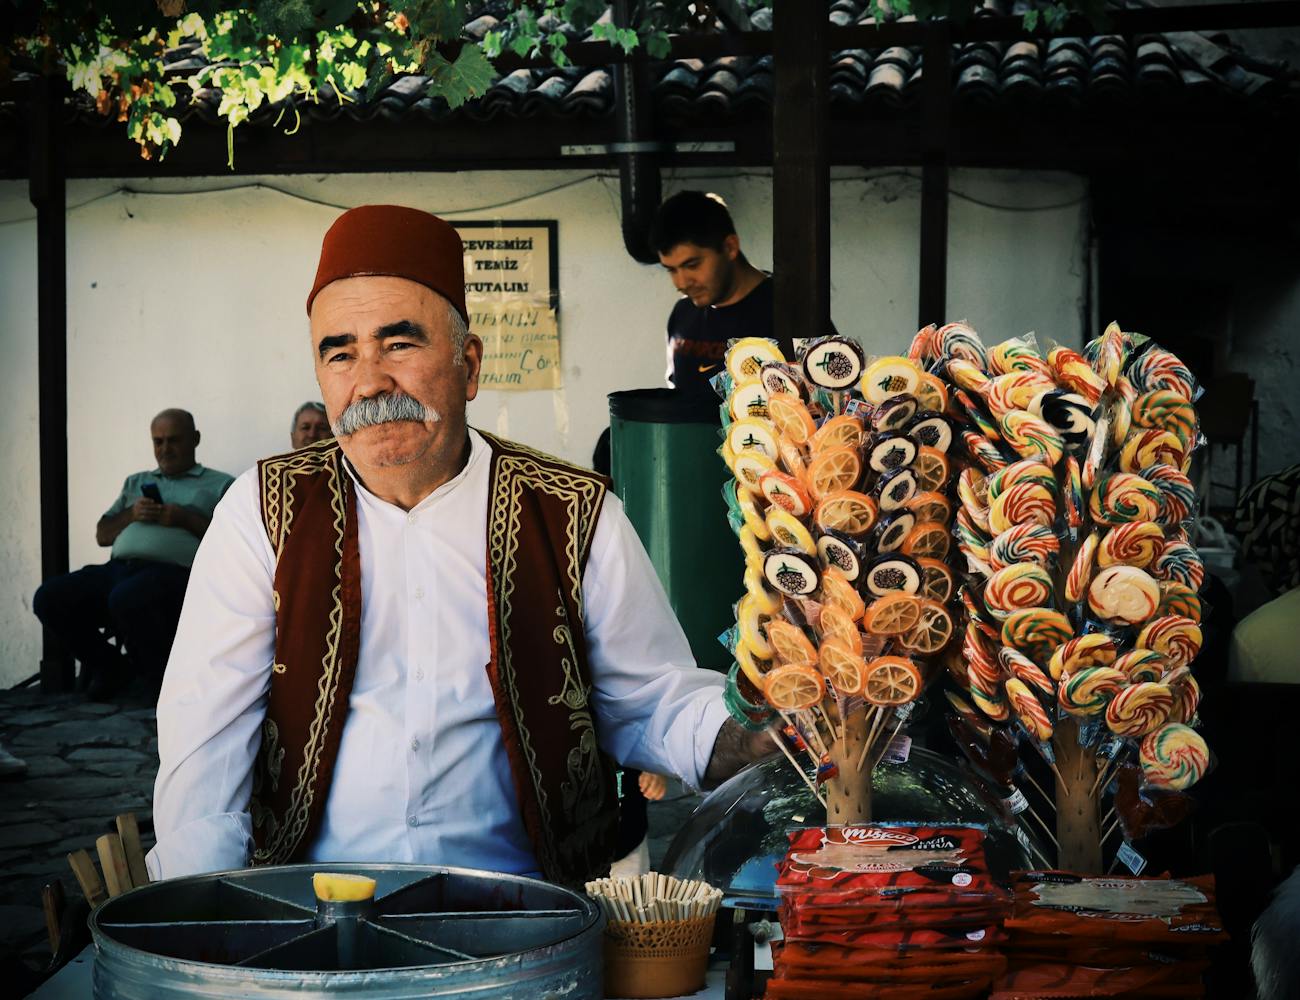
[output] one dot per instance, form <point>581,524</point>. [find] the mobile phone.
<point>151,491</point>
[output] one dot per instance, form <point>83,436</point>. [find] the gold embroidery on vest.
<point>282,837</point>
<point>520,468</point>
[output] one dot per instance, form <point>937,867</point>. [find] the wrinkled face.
<point>704,275</point>
<point>174,444</point>
<point>380,336</point>
<point>310,427</point>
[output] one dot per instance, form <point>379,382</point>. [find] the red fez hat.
<point>397,241</point>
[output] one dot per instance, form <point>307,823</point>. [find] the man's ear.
<point>197,437</point>
<point>731,246</point>
<point>473,362</point>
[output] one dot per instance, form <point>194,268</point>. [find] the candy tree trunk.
<point>1076,806</point>
<point>849,792</point>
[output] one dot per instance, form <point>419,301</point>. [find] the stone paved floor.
<point>88,762</point>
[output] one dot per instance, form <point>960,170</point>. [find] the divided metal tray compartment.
<point>429,932</point>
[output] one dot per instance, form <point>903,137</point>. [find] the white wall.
<point>196,300</point>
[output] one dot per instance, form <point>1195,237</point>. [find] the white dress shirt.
<point>422,774</point>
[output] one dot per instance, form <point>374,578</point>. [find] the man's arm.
<point>173,515</point>
<point>735,749</point>
<point>213,697</point>
<point>111,525</point>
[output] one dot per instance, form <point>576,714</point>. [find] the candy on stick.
<point>932,469</point>
<point>847,511</point>
<point>1032,437</point>
<point>976,415</point>
<point>894,414</point>
<point>891,680</point>
<point>1074,373</point>
<point>933,430</point>
<point>749,399</point>
<point>780,378</point>
<point>790,418</point>
<point>1024,543</point>
<point>1028,710</point>
<point>932,630</point>
<point>1123,497</point>
<point>958,340</point>
<point>793,687</point>
<point>1123,595</point>
<point>1140,665</point>
<point>1151,447</point>
<point>792,572</point>
<point>790,643</point>
<point>752,434</point>
<point>1174,756</point>
<point>1187,697</point>
<point>887,377</point>
<point>1076,583</point>
<point>930,506</point>
<point>1174,637</point>
<point>994,705</point>
<point>833,470</point>
<point>843,668</point>
<point>1180,562</point>
<point>837,590</point>
<point>1179,599</point>
<point>932,394</point>
<point>1096,649</point>
<point>835,623</point>
<point>833,363</point>
<point>1036,632</point>
<point>896,488</point>
<point>1026,671</point>
<point>1159,369</point>
<point>1020,585</point>
<point>892,572</point>
<point>1134,544</point>
<point>892,614</point>
<point>787,530</point>
<point>784,490</point>
<point>1177,495</point>
<point>886,452</point>
<point>1072,493</point>
<point>922,346</point>
<point>746,357</point>
<point>844,431</point>
<point>966,375</point>
<point>893,529</point>
<point>1166,410</point>
<point>1023,503</point>
<point>1068,413</point>
<point>928,539</point>
<point>837,549</point>
<point>936,579</point>
<point>1017,355</point>
<point>1086,692</point>
<point>983,451</point>
<point>1139,709</point>
<point>1014,391</point>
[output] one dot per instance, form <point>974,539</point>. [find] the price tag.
<point>1131,859</point>
<point>1016,802</point>
<point>728,639</point>
<point>900,748</point>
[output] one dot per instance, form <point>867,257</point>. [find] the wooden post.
<point>1077,829</point>
<point>48,193</point>
<point>849,793</point>
<point>801,205</point>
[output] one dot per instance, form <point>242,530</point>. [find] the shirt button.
<point>410,518</point>
<point>415,745</point>
<point>419,593</point>
<point>419,673</point>
<point>413,820</point>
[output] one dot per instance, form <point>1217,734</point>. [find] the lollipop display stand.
<point>1007,524</point>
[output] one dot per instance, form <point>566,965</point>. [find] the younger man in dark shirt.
<point>724,295</point>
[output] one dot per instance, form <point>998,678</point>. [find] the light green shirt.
<point>1263,648</point>
<point>199,489</point>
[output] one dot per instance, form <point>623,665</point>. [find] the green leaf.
<point>466,78</point>
<point>1030,20</point>
<point>441,20</point>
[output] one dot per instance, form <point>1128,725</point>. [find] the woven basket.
<point>665,959</point>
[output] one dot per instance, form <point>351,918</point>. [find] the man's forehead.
<point>362,303</point>
<point>681,253</point>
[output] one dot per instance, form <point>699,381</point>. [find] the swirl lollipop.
<point>1166,410</point>
<point>1032,437</point>
<point>1139,709</point>
<point>1036,632</point>
<point>984,451</point>
<point>922,347</point>
<point>1020,585</point>
<point>1134,544</point>
<point>1072,492</point>
<point>1023,669</point>
<point>1028,710</point>
<point>1140,665</point>
<point>1096,649</point>
<point>1151,447</point>
<point>982,669</point>
<point>1024,503</point>
<point>1187,697</point>
<point>1069,414</point>
<point>1112,352</point>
<point>1122,497</point>
<point>1024,543</point>
<point>1024,471</point>
<point>992,705</point>
<point>1158,369</point>
<point>966,375</point>
<point>1015,391</point>
<point>1074,373</point>
<point>1087,692</point>
<point>957,340</point>
<point>1179,599</point>
<point>1177,495</point>
<point>970,540</point>
<point>1180,562</point>
<point>1081,569</point>
<point>1016,355</point>
<point>1173,636</point>
<point>1123,595</point>
<point>1174,756</point>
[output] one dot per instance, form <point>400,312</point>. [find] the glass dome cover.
<point>740,831</point>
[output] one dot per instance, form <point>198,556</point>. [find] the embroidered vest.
<point>541,518</point>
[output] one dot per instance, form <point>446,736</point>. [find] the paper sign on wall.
<point>512,294</point>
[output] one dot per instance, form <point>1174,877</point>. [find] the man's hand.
<point>735,748</point>
<point>147,511</point>
<point>171,515</point>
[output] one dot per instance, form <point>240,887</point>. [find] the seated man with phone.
<point>154,528</point>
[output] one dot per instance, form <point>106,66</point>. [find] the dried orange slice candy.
<point>791,418</point>
<point>930,506</point>
<point>891,680</point>
<point>788,530</point>
<point>844,431</point>
<point>789,642</point>
<point>931,393</point>
<point>838,592</point>
<point>932,469</point>
<point>833,470</point>
<point>929,539</point>
<point>893,614</point>
<point>932,632</point>
<point>792,459</point>
<point>836,624</point>
<point>845,669</point>
<point>848,511</point>
<point>793,687</point>
<point>936,579</point>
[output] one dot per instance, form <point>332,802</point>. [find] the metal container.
<point>429,932</point>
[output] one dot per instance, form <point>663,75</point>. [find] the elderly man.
<point>154,528</point>
<point>310,424</point>
<point>419,642</point>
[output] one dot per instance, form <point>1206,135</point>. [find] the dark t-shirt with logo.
<point>697,337</point>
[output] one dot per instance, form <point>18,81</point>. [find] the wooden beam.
<point>801,236</point>
<point>936,138</point>
<point>48,193</point>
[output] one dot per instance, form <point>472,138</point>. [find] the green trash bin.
<point>666,469</point>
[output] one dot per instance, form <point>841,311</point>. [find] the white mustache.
<point>386,409</point>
